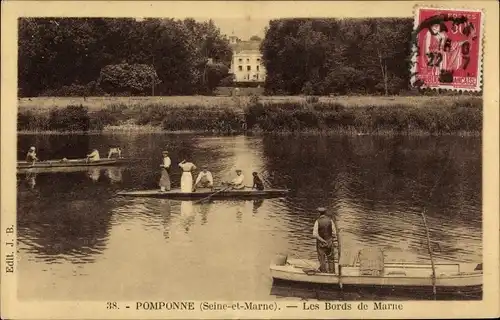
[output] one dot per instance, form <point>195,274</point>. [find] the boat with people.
<point>64,163</point>
<point>361,272</point>
<point>201,193</point>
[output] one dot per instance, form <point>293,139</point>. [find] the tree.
<point>255,38</point>
<point>135,79</point>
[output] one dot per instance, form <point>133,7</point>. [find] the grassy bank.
<point>346,115</point>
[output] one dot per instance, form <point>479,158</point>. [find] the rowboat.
<point>65,163</point>
<point>204,193</point>
<point>449,276</point>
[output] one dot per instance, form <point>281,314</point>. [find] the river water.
<point>78,240</point>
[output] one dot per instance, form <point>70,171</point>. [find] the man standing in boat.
<point>165,172</point>
<point>324,233</point>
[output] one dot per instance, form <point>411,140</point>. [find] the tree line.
<point>78,56</point>
<point>337,56</point>
<point>97,56</point>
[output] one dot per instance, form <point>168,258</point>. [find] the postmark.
<point>447,49</point>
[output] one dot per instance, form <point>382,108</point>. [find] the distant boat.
<point>68,163</point>
<point>449,276</point>
<point>204,193</point>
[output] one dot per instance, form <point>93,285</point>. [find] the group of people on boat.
<point>31,156</point>
<point>203,180</point>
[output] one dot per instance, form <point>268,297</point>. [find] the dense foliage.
<point>460,115</point>
<point>72,52</point>
<point>337,56</point>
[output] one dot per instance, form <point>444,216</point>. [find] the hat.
<point>204,167</point>
<point>238,170</point>
<point>164,152</point>
<point>32,148</point>
<point>321,210</point>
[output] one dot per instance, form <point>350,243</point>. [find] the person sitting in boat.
<point>93,156</point>
<point>204,179</point>
<point>257,182</point>
<point>238,182</point>
<point>31,155</point>
<point>113,151</point>
<point>324,233</point>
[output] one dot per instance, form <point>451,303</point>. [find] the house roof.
<point>246,46</point>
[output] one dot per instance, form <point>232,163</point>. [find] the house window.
<point>248,60</point>
<point>240,68</point>
<point>257,68</point>
<point>240,60</point>
<point>257,76</point>
<point>249,68</point>
<point>258,59</point>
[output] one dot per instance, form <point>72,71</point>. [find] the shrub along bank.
<point>455,116</point>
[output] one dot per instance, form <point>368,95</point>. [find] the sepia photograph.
<point>234,163</point>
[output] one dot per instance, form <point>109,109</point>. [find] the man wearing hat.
<point>238,182</point>
<point>165,172</point>
<point>204,179</point>
<point>324,233</point>
<point>31,155</point>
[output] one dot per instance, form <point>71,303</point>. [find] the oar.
<point>429,248</point>
<point>339,248</point>
<point>213,194</point>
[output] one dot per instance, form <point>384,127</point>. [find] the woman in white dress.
<point>187,177</point>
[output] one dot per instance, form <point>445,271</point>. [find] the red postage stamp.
<point>447,49</point>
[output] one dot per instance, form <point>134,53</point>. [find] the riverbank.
<point>417,115</point>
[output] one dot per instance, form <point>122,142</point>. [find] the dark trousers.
<point>326,257</point>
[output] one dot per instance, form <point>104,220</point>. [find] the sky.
<point>243,28</point>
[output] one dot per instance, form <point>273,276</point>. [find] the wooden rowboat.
<point>449,276</point>
<point>69,163</point>
<point>204,193</point>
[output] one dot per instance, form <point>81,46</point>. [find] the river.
<point>77,240</point>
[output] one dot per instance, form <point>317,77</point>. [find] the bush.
<point>71,118</point>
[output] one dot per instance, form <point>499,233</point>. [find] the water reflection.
<point>114,174</point>
<point>376,186</point>
<point>94,174</point>
<point>256,205</point>
<point>187,215</point>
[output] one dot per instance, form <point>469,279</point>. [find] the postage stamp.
<point>448,48</point>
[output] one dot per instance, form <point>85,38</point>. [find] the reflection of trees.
<point>55,146</point>
<point>382,183</point>
<point>68,227</point>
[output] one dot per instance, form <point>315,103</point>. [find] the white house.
<point>246,64</point>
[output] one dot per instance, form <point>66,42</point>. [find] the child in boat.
<point>257,182</point>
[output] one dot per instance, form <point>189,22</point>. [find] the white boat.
<point>448,276</point>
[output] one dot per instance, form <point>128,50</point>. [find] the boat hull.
<point>204,193</point>
<point>71,163</point>
<point>448,276</point>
